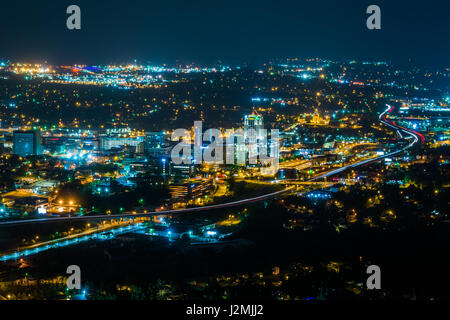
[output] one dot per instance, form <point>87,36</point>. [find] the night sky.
<point>176,31</point>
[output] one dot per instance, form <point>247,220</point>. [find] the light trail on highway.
<point>104,234</point>
<point>68,241</point>
<point>148,214</point>
<point>415,135</point>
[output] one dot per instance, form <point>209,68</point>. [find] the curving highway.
<point>415,135</point>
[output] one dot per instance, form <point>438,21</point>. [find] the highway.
<point>148,214</point>
<point>415,135</point>
<point>102,234</point>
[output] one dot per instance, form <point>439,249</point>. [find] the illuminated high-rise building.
<point>155,143</point>
<point>253,133</point>
<point>253,126</point>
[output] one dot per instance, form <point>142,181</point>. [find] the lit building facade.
<point>27,143</point>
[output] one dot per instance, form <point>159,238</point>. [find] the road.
<point>415,135</point>
<point>106,233</point>
<point>148,214</point>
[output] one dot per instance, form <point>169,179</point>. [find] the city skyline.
<point>237,154</point>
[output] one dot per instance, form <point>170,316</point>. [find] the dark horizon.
<point>235,33</point>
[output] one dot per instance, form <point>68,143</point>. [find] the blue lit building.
<point>27,143</point>
<point>155,143</point>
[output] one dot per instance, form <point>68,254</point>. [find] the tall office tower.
<point>253,121</point>
<point>27,142</point>
<point>253,132</point>
<point>155,143</point>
